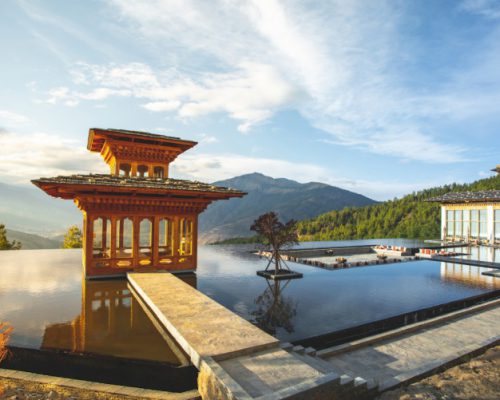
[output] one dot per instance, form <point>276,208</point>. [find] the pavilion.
<point>136,218</point>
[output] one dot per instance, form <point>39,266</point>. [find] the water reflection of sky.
<point>43,287</point>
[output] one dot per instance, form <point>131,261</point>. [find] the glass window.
<point>474,223</point>
<point>497,224</point>
<point>186,237</point>
<point>450,222</point>
<point>483,233</point>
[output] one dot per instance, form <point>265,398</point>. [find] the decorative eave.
<point>77,186</point>
<point>485,196</point>
<point>98,136</point>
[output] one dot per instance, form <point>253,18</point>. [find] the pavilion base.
<point>280,274</point>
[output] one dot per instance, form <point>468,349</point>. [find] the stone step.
<point>317,363</point>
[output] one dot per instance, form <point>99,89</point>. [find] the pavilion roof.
<point>468,197</point>
<point>97,137</point>
<point>68,186</point>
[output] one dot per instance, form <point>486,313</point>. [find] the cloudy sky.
<point>379,97</point>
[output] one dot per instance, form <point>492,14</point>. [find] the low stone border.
<point>330,351</point>
<point>104,388</point>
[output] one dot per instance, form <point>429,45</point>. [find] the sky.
<point>379,97</point>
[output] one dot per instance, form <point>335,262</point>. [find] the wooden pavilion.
<point>136,218</point>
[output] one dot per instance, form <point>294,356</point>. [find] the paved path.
<point>201,326</point>
<point>394,360</point>
<point>236,359</point>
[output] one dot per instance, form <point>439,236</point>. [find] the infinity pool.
<point>44,298</point>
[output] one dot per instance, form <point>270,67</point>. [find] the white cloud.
<point>28,156</point>
<point>9,118</point>
<point>337,63</point>
<point>211,168</point>
<point>486,8</point>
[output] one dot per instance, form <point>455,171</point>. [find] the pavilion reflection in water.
<point>113,323</point>
<point>468,275</point>
<point>273,310</point>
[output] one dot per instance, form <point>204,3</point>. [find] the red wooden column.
<point>88,222</point>
<point>156,240</point>
<point>195,241</point>
<point>135,241</point>
<point>113,241</point>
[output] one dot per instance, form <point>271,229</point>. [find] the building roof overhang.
<point>484,196</point>
<point>98,137</point>
<point>74,186</point>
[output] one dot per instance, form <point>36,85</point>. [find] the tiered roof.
<point>73,184</point>
<point>468,197</point>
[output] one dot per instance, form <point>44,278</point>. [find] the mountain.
<point>290,199</point>
<point>28,209</point>
<point>31,241</point>
<point>408,217</point>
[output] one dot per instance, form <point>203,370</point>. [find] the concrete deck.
<point>403,357</point>
<point>201,326</point>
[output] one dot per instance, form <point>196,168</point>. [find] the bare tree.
<point>276,236</point>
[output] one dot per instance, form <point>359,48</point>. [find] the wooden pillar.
<point>104,241</point>
<point>176,236</point>
<point>195,241</point>
<point>133,171</point>
<point>88,241</point>
<point>155,241</point>
<point>120,241</point>
<point>151,172</point>
<point>113,238</point>
<point>135,242</point>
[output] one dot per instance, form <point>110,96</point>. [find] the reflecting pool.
<point>44,298</point>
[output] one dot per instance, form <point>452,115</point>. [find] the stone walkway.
<point>392,361</point>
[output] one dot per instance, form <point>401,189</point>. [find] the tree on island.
<point>276,236</point>
<point>4,242</point>
<point>73,238</point>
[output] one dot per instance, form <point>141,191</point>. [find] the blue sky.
<point>379,97</point>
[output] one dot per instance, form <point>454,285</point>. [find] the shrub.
<point>5,331</point>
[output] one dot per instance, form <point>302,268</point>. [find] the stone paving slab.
<point>269,371</point>
<point>397,359</point>
<point>201,326</point>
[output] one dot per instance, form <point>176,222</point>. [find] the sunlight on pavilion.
<point>137,218</point>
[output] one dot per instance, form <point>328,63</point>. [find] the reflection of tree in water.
<point>273,310</point>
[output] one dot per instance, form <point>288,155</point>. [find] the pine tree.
<point>4,242</point>
<point>73,238</point>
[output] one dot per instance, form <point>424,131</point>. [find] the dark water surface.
<point>42,295</point>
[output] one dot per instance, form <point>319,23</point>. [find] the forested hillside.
<point>408,217</point>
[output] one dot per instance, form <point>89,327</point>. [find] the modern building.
<point>136,217</point>
<point>470,216</point>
